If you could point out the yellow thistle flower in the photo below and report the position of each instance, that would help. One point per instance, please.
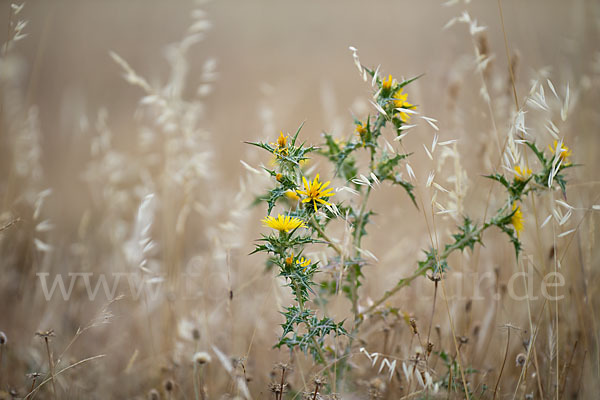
(315, 192)
(290, 194)
(361, 130)
(279, 177)
(280, 145)
(517, 219)
(283, 222)
(302, 262)
(289, 260)
(386, 83)
(399, 100)
(564, 151)
(281, 140)
(522, 174)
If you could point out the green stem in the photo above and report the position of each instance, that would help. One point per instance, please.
(354, 286)
(310, 328)
(361, 215)
(324, 236)
(421, 271)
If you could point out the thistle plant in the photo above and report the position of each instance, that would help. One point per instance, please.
(291, 233)
(309, 207)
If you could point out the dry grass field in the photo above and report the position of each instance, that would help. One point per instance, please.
(454, 257)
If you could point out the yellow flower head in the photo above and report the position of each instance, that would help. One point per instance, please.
(302, 262)
(517, 219)
(361, 131)
(281, 145)
(361, 128)
(283, 222)
(399, 100)
(290, 194)
(289, 260)
(386, 83)
(315, 192)
(522, 174)
(564, 151)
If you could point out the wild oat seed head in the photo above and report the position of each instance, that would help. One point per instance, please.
(564, 151)
(168, 385)
(3, 338)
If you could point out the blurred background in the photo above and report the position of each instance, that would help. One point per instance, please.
(73, 124)
(280, 53)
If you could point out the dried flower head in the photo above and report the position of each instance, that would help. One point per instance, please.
(413, 326)
(283, 366)
(201, 358)
(45, 334)
(277, 388)
(34, 375)
(153, 394)
(319, 380)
